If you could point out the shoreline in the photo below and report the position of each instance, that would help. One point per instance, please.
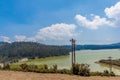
(107, 65)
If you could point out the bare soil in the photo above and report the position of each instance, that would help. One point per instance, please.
(15, 75)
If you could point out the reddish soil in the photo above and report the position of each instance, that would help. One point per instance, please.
(15, 75)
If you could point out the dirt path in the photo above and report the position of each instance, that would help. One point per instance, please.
(11, 75)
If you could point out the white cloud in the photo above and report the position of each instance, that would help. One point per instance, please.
(112, 20)
(20, 38)
(114, 12)
(93, 24)
(6, 39)
(56, 32)
(31, 39)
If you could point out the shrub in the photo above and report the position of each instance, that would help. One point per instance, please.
(55, 68)
(0, 67)
(80, 69)
(43, 69)
(24, 67)
(107, 73)
(84, 70)
(6, 67)
(16, 69)
(32, 68)
(64, 71)
(95, 73)
(112, 74)
(75, 69)
(29, 68)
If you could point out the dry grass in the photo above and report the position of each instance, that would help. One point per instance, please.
(14, 75)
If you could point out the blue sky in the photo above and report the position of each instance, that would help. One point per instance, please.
(57, 21)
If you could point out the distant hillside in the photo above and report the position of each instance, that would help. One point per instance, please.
(3, 43)
(18, 50)
(95, 47)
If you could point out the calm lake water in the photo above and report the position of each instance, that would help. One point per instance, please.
(85, 56)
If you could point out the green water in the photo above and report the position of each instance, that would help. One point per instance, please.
(91, 56)
(83, 56)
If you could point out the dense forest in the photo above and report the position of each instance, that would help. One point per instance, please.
(18, 50)
(95, 47)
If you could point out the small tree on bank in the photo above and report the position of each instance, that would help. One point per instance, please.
(80, 69)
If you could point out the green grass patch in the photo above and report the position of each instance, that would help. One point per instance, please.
(39, 61)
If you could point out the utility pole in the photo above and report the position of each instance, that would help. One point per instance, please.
(73, 51)
(110, 59)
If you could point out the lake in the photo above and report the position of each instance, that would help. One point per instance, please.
(83, 56)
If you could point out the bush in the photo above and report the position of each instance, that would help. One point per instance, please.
(6, 67)
(16, 69)
(32, 68)
(29, 68)
(43, 69)
(0, 68)
(64, 71)
(107, 73)
(55, 68)
(80, 69)
(95, 73)
(24, 67)
(84, 70)
(112, 74)
(75, 69)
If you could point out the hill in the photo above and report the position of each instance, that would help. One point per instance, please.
(3, 43)
(17, 50)
(96, 47)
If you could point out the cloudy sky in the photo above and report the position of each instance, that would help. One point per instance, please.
(57, 21)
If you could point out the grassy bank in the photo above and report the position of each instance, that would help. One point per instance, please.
(108, 65)
(38, 62)
(76, 69)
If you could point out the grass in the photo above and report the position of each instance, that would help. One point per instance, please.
(39, 61)
(48, 58)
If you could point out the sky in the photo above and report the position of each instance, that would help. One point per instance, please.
(55, 22)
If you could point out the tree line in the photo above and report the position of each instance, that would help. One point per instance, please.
(95, 47)
(17, 50)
